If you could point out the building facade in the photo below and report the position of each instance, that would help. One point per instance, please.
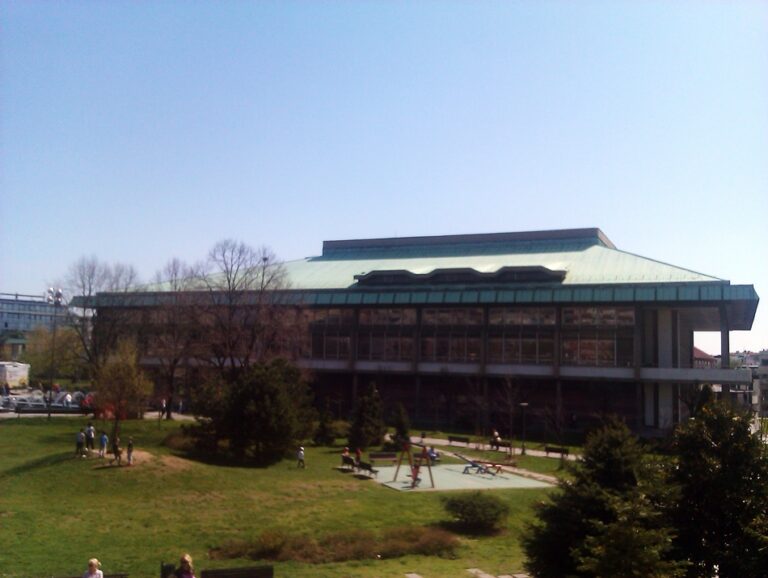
(20, 314)
(461, 329)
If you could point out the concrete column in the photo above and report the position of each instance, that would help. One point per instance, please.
(725, 349)
(665, 337)
(725, 339)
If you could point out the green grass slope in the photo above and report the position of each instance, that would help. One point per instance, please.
(57, 511)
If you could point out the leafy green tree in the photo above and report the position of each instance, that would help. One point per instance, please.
(40, 355)
(721, 518)
(615, 486)
(367, 427)
(122, 388)
(261, 414)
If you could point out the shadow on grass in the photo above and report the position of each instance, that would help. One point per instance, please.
(40, 463)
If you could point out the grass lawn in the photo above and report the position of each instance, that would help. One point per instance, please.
(57, 511)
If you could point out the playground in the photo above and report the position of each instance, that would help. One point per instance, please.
(453, 477)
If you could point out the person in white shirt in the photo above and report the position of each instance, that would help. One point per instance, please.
(93, 569)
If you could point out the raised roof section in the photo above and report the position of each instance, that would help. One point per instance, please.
(464, 245)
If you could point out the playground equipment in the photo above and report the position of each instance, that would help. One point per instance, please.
(415, 463)
(477, 467)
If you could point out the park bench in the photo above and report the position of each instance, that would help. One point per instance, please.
(166, 571)
(458, 439)
(251, 572)
(118, 575)
(562, 450)
(348, 462)
(366, 467)
(382, 457)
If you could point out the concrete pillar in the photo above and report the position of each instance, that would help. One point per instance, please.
(725, 349)
(664, 342)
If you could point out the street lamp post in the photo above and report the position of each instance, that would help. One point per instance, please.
(55, 298)
(523, 405)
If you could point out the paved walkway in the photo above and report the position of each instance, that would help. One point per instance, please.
(486, 447)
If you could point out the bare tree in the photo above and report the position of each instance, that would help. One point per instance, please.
(86, 278)
(169, 331)
(244, 316)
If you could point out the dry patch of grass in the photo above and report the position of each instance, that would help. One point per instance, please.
(343, 546)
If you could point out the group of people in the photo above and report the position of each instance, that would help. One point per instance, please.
(184, 570)
(85, 441)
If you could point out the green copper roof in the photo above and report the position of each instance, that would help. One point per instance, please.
(566, 266)
(590, 260)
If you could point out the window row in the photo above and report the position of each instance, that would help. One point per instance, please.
(473, 316)
(600, 349)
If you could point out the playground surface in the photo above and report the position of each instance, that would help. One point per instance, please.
(452, 477)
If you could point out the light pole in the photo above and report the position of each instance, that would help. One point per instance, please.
(55, 298)
(523, 405)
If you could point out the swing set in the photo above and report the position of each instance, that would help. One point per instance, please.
(415, 463)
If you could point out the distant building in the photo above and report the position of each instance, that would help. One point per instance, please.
(20, 314)
(703, 359)
(446, 325)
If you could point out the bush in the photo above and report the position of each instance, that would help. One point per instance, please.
(478, 512)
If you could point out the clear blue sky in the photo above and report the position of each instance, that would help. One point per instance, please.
(142, 131)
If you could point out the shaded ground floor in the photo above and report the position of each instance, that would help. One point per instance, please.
(478, 405)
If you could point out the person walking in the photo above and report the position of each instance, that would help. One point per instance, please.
(80, 443)
(117, 453)
(90, 436)
(300, 458)
(103, 441)
(130, 451)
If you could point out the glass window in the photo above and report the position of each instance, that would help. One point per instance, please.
(569, 316)
(496, 350)
(587, 351)
(318, 351)
(458, 348)
(546, 348)
(587, 316)
(624, 350)
(570, 349)
(528, 348)
(364, 346)
(406, 348)
(606, 352)
(428, 348)
(606, 316)
(529, 317)
(473, 349)
(377, 346)
(429, 317)
(392, 349)
(496, 316)
(512, 348)
(443, 349)
(474, 316)
(625, 316)
(547, 316)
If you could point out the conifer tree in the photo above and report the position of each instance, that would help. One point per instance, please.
(402, 426)
(721, 469)
(367, 427)
(599, 520)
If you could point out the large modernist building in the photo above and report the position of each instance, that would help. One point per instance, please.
(459, 328)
